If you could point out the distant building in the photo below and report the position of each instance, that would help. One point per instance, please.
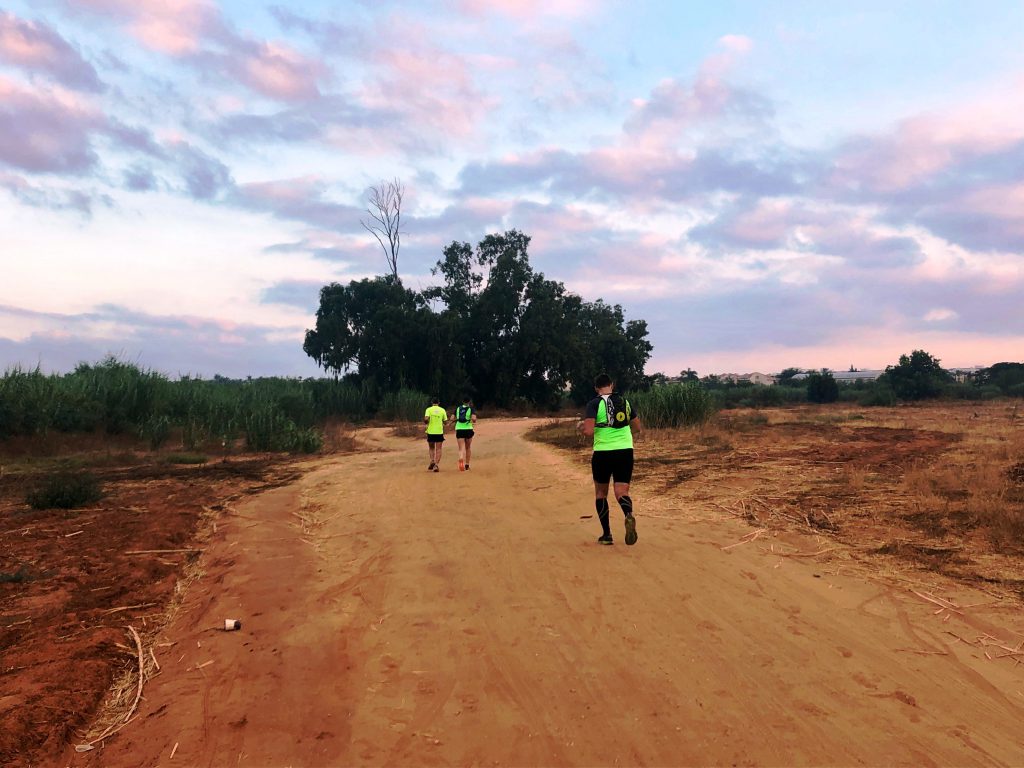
(846, 377)
(962, 375)
(748, 378)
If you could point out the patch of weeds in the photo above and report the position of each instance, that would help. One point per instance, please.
(19, 576)
(186, 458)
(65, 489)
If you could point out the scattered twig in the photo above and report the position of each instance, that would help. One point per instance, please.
(138, 692)
(175, 749)
(128, 607)
(69, 535)
(746, 539)
(160, 551)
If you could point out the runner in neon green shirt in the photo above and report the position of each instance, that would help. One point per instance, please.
(434, 417)
(610, 419)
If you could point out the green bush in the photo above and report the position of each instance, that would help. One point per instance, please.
(880, 395)
(822, 387)
(66, 489)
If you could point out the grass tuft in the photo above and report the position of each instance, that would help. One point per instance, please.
(65, 489)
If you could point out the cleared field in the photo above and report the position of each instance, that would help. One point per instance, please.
(811, 587)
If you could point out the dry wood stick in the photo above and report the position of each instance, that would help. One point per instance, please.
(138, 692)
(160, 551)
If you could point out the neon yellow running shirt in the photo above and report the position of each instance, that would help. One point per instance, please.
(437, 416)
(468, 423)
(608, 438)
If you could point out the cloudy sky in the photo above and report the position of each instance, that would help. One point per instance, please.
(767, 184)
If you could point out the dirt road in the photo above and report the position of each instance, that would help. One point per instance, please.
(396, 617)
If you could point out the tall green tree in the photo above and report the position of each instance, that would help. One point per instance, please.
(917, 376)
(494, 329)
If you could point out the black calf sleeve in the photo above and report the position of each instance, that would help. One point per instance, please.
(627, 505)
(602, 514)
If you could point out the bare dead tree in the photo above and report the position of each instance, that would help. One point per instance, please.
(385, 209)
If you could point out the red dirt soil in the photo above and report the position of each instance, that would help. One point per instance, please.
(71, 588)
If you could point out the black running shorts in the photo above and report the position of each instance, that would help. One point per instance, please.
(463, 434)
(608, 464)
(435, 438)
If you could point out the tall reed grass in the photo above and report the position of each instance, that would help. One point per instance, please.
(674, 405)
(117, 397)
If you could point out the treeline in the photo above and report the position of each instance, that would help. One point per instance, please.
(494, 330)
(115, 397)
(917, 376)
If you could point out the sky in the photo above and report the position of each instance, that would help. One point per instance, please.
(767, 184)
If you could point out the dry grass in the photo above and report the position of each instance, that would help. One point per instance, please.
(938, 487)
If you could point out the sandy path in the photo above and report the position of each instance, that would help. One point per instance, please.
(470, 619)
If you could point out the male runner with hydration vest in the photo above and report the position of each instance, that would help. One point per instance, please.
(610, 419)
(464, 418)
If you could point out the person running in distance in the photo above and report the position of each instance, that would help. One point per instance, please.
(434, 417)
(464, 418)
(610, 419)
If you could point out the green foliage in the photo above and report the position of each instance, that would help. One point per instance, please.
(674, 405)
(754, 395)
(880, 395)
(495, 329)
(822, 387)
(403, 405)
(917, 376)
(120, 397)
(65, 489)
(785, 377)
(268, 428)
(1007, 377)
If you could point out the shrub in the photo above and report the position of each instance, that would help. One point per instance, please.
(880, 395)
(66, 489)
(822, 387)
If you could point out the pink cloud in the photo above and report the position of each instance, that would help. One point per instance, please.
(277, 71)
(46, 131)
(429, 86)
(921, 147)
(174, 27)
(38, 47)
(676, 107)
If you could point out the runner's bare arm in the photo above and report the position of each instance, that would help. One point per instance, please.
(586, 427)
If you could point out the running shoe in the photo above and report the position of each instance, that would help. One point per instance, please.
(431, 467)
(606, 539)
(630, 530)
(437, 468)
(462, 466)
(467, 467)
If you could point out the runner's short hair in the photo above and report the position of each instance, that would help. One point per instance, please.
(435, 400)
(603, 380)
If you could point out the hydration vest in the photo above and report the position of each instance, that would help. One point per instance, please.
(617, 411)
(463, 415)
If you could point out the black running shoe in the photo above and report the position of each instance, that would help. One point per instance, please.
(437, 468)
(431, 467)
(606, 539)
(630, 530)
(467, 467)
